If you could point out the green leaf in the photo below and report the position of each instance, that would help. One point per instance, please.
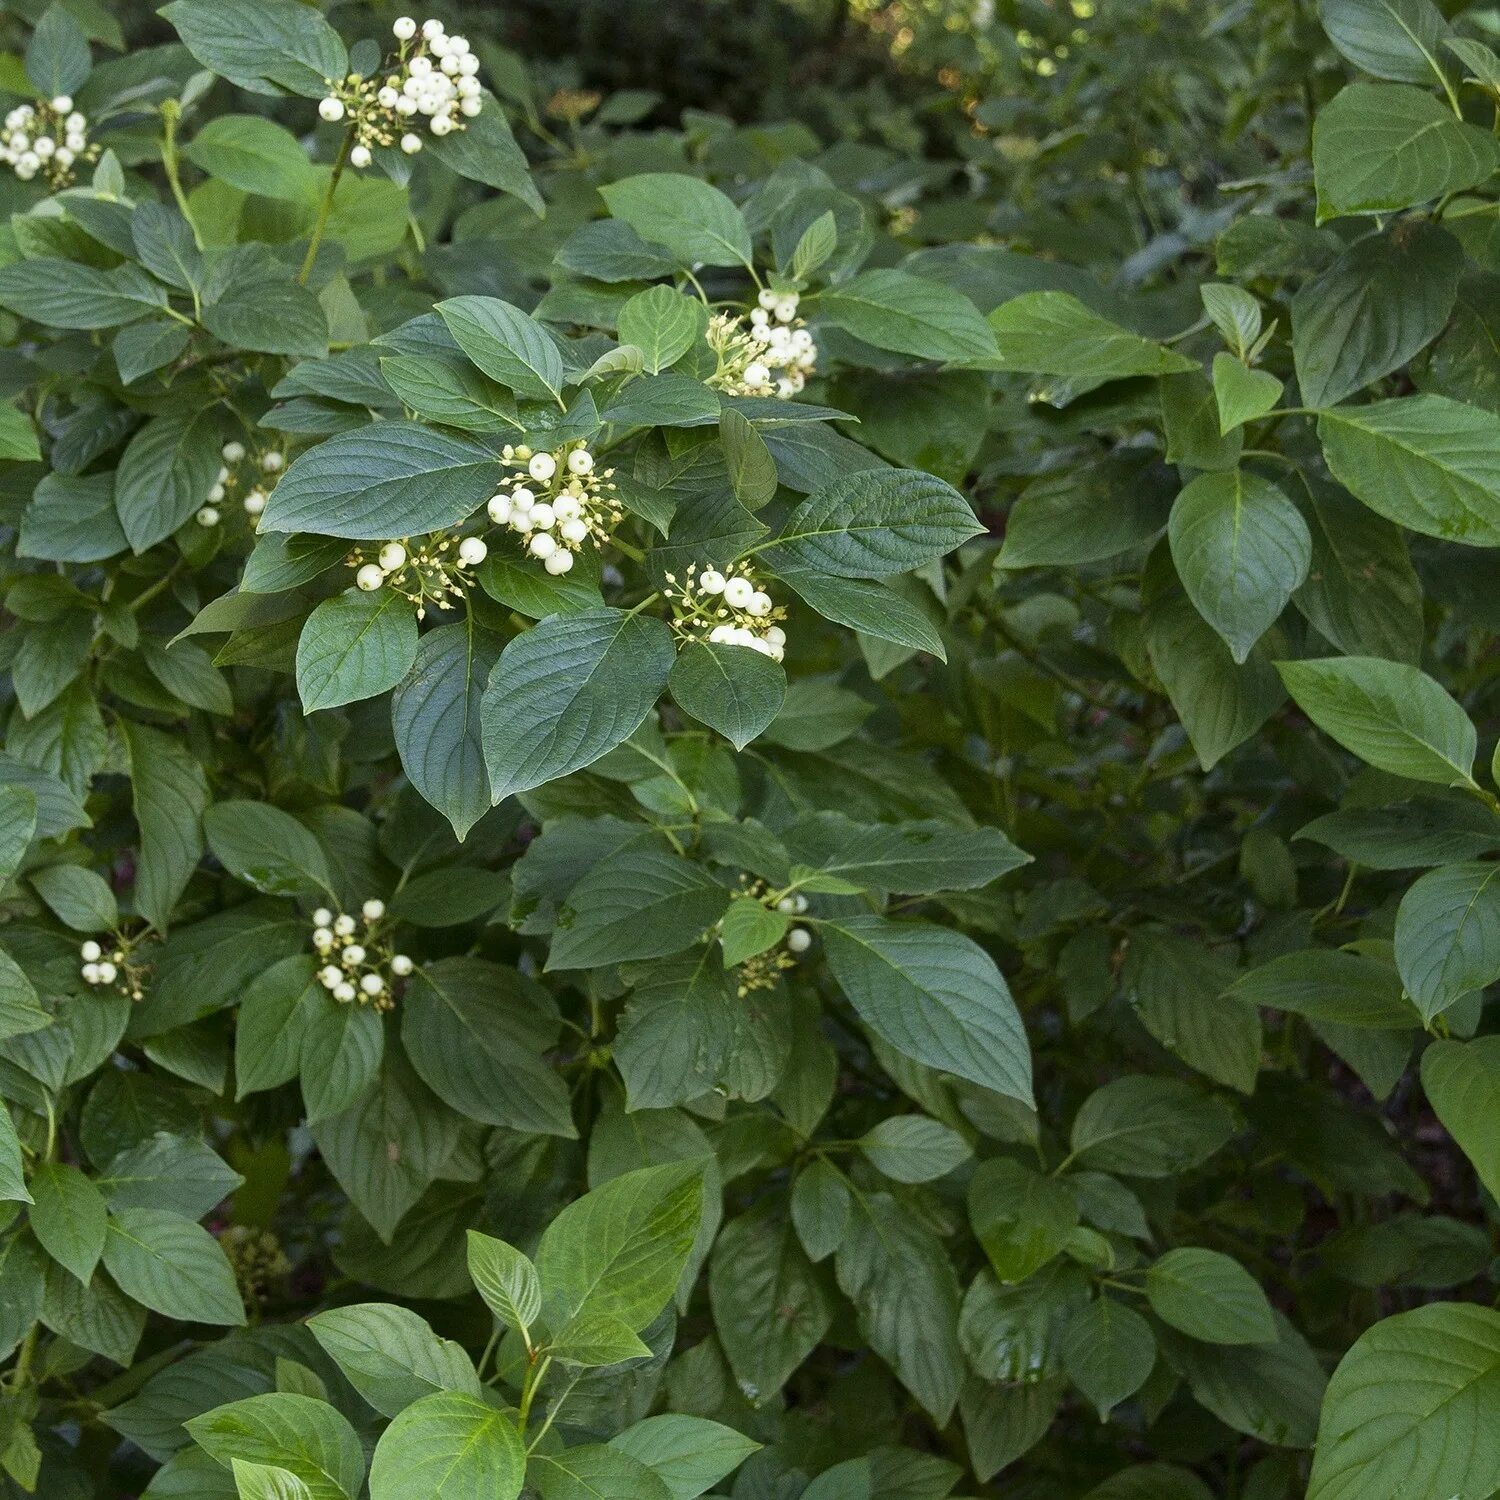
(1425, 462)
(12, 1172)
(1242, 394)
(267, 848)
(1395, 39)
(356, 645)
(266, 1482)
(164, 476)
(568, 690)
(690, 1454)
(1383, 300)
(900, 1278)
(57, 56)
(733, 689)
(908, 314)
(307, 1437)
(506, 344)
(1109, 1350)
(18, 438)
(696, 222)
(1327, 984)
(169, 1172)
(435, 718)
(391, 1356)
(875, 523)
(1448, 935)
(20, 1011)
(751, 465)
(1149, 1127)
(912, 1148)
(255, 155)
(1462, 1082)
(663, 324)
(67, 295)
(644, 901)
(1241, 548)
(78, 897)
(770, 1305)
(921, 855)
(172, 1266)
(506, 1280)
(283, 46)
(1053, 333)
(475, 1033)
(68, 1217)
(935, 996)
(342, 1045)
(388, 480)
(1378, 147)
(593, 1472)
(1210, 1297)
(485, 151)
(17, 827)
(1389, 714)
(1020, 1217)
(619, 1251)
(1414, 1409)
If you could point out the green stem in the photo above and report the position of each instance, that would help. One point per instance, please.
(325, 208)
(171, 112)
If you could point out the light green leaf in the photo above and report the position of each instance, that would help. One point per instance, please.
(253, 154)
(908, 314)
(391, 1356)
(1448, 935)
(696, 222)
(1241, 549)
(1413, 1410)
(1425, 462)
(68, 1217)
(1209, 1297)
(1387, 713)
(1378, 147)
(506, 1280)
(267, 848)
(1053, 333)
(690, 1454)
(307, 1437)
(663, 324)
(172, 1266)
(356, 645)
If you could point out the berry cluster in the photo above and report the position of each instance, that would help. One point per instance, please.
(267, 466)
(112, 968)
(257, 1260)
(49, 137)
(732, 611)
(762, 970)
(431, 571)
(559, 502)
(361, 965)
(772, 355)
(433, 76)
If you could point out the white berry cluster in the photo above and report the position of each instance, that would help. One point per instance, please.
(433, 76)
(360, 965)
(771, 355)
(728, 611)
(112, 969)
(558, 502)
(762, 970)
(264, 468)
(430, 570)
(47, 137)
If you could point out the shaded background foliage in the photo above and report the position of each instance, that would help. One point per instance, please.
(1262, 1056)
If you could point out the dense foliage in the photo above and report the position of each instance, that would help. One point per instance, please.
(788, 800)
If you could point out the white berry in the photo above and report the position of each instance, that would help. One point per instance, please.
(405, 28)
(472, 551)
(559, 562)
(91, 951)
(369, 578)
(401, 965)
(331, 109)
(373, 909)
(542, 466)
(392, 555)
(799, 940)
(738, 592)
